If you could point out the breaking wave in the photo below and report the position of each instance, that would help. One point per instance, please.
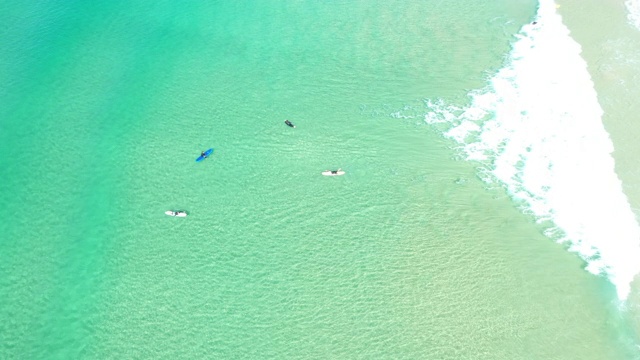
(537, 128)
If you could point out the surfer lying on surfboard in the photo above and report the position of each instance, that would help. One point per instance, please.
(289, 123)
(333, 172)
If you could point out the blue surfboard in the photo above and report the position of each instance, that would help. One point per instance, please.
(206, 154)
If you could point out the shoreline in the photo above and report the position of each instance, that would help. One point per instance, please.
(551, 165)
(610, 47)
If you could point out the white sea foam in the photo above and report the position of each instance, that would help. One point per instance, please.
(633, 7)
(538, 128)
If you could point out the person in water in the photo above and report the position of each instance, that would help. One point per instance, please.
(289, 123)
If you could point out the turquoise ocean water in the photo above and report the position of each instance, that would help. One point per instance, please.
(411, 254)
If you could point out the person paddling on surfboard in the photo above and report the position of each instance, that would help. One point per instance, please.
(289, 123)
(204, 155)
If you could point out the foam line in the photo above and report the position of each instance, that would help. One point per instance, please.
(633, 7)
(538, 128)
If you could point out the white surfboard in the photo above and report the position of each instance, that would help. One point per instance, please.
(333, 173)
(176, 213)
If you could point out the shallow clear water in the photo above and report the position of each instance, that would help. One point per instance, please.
(408, 255)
